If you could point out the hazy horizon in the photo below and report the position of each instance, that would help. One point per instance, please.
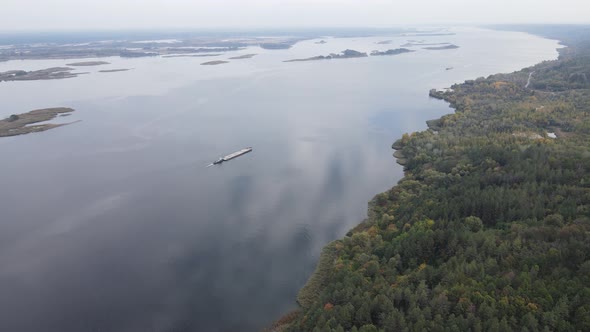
(71, 15)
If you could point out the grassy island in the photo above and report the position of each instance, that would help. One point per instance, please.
(445, 47)
(489, 230)
(346, 54)
(53, 73)
(113, 70)
(392, 52)
(245, 56)
(276, 46)
(88, 63)
(214, 63)
(20, 124)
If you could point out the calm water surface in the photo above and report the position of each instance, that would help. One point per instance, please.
(115, 224)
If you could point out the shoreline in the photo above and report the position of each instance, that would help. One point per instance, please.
(319, 279)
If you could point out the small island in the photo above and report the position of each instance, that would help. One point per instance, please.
(384, 42)
(422, 43)
(113, 70)
(346, 54)
(214, 63)
(20, 124)
(446, 47)
(245, 56)
(88, 63)
(53, 73)
(190, 55)
(276, 46)
(392, 52)
(321, 42)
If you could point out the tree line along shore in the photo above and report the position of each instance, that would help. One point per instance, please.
(490, 227)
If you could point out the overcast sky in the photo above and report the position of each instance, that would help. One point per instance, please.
(142, 14)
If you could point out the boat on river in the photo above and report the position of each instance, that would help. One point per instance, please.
(232, 156)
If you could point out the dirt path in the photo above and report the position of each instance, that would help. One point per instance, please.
(528, 82)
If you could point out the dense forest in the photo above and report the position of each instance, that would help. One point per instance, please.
(490, 228)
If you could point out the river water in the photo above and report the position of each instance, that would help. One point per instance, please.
(115, 223)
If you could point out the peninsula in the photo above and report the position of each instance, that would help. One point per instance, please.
(20, 124)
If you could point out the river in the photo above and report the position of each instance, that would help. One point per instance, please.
(115, 223)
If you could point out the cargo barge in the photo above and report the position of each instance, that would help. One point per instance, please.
(232, 156)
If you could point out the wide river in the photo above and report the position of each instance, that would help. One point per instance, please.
(115, 223)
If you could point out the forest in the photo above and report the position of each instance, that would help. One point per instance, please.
(489, 230)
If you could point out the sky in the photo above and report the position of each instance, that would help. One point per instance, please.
(156, 14)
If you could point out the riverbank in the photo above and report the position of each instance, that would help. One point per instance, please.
(472, 206)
